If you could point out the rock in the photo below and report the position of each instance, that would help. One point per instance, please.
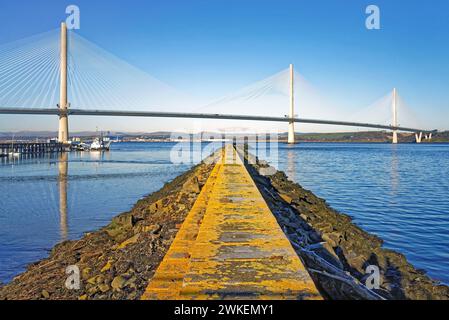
(314, 237)
(96, 280)
(124, 221)
(153, 229)
(181, 207)
(100, 279)
(155, 206)
(104, 287)
(286, 198)
(118, 283)
(90, 256)
(332, 256)
(192, 185)
(113, 233)
(120, 225)
(45, 294)
(268, 171)
(92, 280)
(85, 273)
(332, 238)
(107, 266)
(324, 227)
(92, 290)
(131, 282)
(129, 241)
(357, 262)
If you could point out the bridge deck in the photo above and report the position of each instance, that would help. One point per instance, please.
(231, 246)
(158, 114)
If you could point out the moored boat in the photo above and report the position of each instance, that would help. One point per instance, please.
(100, 144)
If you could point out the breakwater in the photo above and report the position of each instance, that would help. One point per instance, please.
(118, 261)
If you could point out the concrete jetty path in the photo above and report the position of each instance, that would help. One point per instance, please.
(230, 246)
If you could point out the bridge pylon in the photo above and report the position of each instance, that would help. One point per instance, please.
(63, 132)
(418, 137)
(291, 124)
(395, 118)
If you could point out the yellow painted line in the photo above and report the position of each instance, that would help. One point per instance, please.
(239, 250)
(168, 279)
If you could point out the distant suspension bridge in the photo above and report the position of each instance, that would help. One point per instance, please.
(64, 111)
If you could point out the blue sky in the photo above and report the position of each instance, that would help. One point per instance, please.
(211, 47)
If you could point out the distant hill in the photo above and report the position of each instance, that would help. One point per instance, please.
(366, 136)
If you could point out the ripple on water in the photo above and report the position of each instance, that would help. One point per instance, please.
(397, 192)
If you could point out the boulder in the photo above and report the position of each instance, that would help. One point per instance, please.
(286, 198)
(104, 287)
(192, 185)
(129, 241)
(118, 282)
(107, 266)
(153, 229)
(45, 294)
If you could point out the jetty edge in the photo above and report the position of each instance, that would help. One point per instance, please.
(119, 260)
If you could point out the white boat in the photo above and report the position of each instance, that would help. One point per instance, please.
(100, 144)
(14, 154)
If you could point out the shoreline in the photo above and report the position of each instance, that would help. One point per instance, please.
(283, 141)
(118, 260)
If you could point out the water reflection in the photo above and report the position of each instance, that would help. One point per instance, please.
(291, 164)
(62, 181)
(99, 155)
(394, 174)
(43, 201)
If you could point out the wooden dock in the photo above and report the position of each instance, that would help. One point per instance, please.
(231, 246)
(31, 148)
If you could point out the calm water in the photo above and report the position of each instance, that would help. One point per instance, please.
(46, 200)
(398, 192)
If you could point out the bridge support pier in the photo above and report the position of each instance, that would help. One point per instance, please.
(291, 124)
(291, 133)
(418, 137)
(63, 132)
(395, 118)
(395, 137)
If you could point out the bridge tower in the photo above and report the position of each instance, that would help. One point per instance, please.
(63, 134)
(395, 118)
(291, 124)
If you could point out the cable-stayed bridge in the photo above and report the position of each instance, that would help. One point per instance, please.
(60, 73)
